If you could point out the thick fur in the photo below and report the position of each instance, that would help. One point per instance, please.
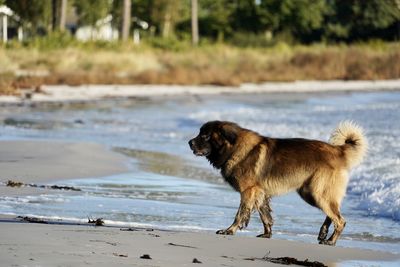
(260, 167)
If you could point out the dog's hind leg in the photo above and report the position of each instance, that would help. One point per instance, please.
(332, 211)
(248, 199)
(328, 193)
(323, 232)
(265, 214)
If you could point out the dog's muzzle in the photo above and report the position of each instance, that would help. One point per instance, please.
(195, 150)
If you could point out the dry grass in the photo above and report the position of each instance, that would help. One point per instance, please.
(216, 64)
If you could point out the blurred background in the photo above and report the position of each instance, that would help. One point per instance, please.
(202, 42)
(224, 42)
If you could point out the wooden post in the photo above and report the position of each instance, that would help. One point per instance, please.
(126, 20)
(5, 37)
(63, 14)
(195, 23)
(20, 34)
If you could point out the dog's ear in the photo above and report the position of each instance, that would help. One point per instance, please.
(230, 132)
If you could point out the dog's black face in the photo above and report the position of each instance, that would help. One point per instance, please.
(214, 138)
(201, 145)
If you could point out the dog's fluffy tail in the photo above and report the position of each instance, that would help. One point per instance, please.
(350, 137)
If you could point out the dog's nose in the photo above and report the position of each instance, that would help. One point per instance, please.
(191, 143)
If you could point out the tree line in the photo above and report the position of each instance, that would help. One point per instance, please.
(237, 21)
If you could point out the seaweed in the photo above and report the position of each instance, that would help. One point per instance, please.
(120, 255)
(130, 229)
(289, 261)
(196, 261)
(11, 183)
(146, 256)
(32, 219)
(96, 222)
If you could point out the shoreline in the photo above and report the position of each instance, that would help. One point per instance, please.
(36, 161)
(60, 93)
(63, 245)
(66, 244)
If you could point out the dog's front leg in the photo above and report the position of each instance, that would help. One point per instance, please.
(265, 214)
(242, 218)
(241, 221)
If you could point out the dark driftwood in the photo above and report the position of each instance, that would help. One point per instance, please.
(120, 255)
(32, 220)
(178, 245)
(146, 256)
(196, 261)
(96, 222)
(130, 229)
(14, 184)
(11, 183)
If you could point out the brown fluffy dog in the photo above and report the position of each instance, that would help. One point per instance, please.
(260, 167)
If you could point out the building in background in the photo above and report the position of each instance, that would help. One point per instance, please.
(9, 24)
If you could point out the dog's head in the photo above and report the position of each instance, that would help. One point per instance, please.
(216, 138)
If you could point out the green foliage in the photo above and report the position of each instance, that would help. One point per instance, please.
(54, 40)
(355, 20)
(242, 39)
(246, 17)
(116, 12)
(33, 13)
(170, 44)
(90, 11)
(214, 18)
(240, 22)
(299, 17)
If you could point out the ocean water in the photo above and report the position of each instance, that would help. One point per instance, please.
(168, 187)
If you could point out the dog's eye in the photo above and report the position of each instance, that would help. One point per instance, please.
(205, 137)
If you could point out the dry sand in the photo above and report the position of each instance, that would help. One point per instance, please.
(33, 244)
(25, 244)
(50, 93)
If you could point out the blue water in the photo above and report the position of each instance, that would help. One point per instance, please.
(170, 188)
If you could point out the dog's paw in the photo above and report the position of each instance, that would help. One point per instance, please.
(327, 242)
(322, 236)
(323, 233)
(268, 235)
(225, 232)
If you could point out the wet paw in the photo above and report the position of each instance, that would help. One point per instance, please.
(327, 242)
(322, 236)
(323, 233)
(224, 232)
(268, 235)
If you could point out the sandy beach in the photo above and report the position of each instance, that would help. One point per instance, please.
(56, 93)
(63, 244)
(69, 245)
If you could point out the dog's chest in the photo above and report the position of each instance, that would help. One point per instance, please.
(232, 181)
(238, 178)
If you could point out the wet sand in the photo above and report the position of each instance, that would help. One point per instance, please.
(46, 162)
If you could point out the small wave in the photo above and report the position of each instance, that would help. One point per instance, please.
(114, 223)
(41, 199)
(378, 194)
(365, 236)
(168, 164)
